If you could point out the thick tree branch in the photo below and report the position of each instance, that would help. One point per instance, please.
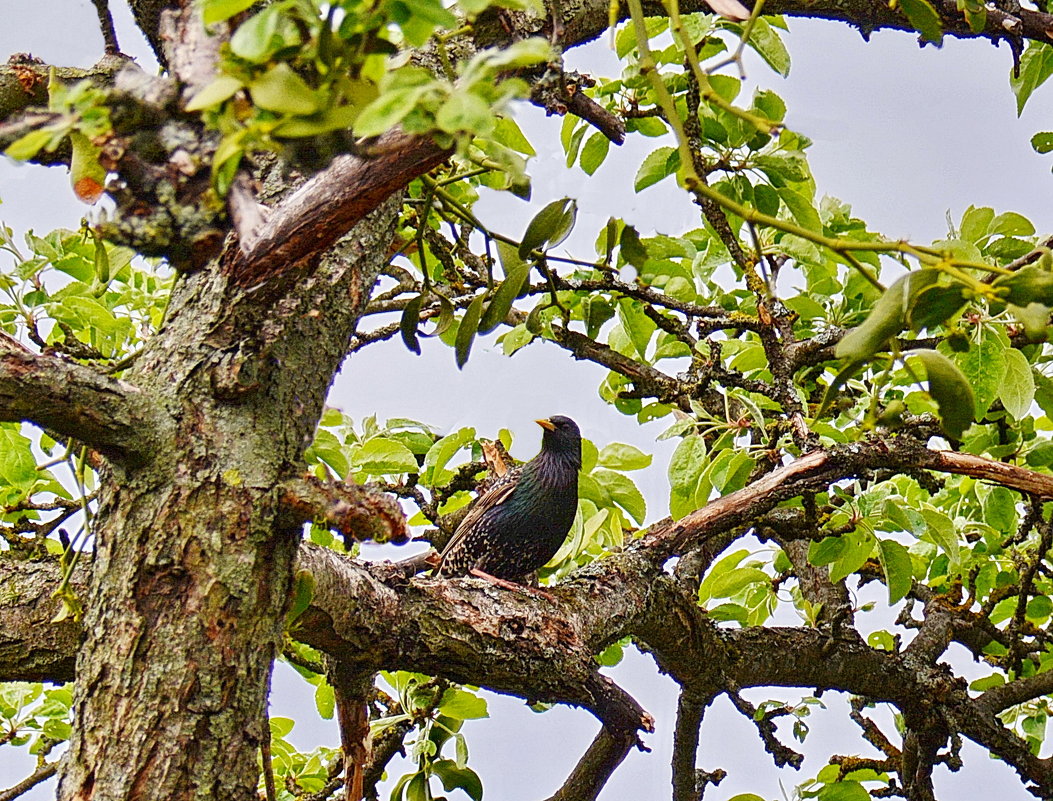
(544, 651)
(595, 767)
(357, 512)
(109, 415)
(32, 647)
(445, 628)
(583, 22)
(1016, 692)
(1008, 475)
(513, 644)
(310, 220)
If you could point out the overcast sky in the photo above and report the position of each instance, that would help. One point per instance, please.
(905, 134)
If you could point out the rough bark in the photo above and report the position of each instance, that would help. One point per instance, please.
(113, 416)
(194, 555)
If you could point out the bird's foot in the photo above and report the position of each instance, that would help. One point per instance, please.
(510, 585)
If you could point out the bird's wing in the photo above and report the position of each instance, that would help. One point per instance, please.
(491, 499)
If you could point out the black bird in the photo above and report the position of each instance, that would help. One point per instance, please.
(520, 522)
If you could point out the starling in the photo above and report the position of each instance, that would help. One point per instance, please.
(520, 522)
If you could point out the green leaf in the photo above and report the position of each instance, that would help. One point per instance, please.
(976, 223)
(987, 682)
(523, 53)
(1041, 455)
(949, 388)
(549, 226)
(283, 91)
(87, 311)
(468, 329)
(281, 726)
(638, 326)
(516, 273)
(1039, 607)
(325, 700)
(934, 305)
(465, 111)
(785, 168)
(612, 654)
(461, 750)
(328, 449)
(1008, 247)
(730, 470)
(999, 509)
(445, 316)
(801, 208)
(431, 11)
(417, 788)
(87, 176)
(332, 119)
(453, 777)
(1036, 65)
(886, 319)
(18, 467)
(924, 19)
(28, 145)
(388, 110)
(440, 453)
(632, 248)
(594, 152)
(408, 324)
(214, 93)
(984, 366)
(895, 562)
(1017, 390)
(730, 583)
(844, 791)
(623, 492)
(58, 730)
(1030, 284)
(1012, 224)
(769, 46)
(303, 593)
(647, 126)
(213, 11)
(383, 456)
(941, 529)
(508, 132)
(686, 466)
(1042, 142)
(253, 39)
(619, 456)
(859, 545)
(573, 139)
(659, 164)
(462, 705)
(722, 567)
(826, 551)
(769, 104)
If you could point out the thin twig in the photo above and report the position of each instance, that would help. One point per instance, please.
(109, 33)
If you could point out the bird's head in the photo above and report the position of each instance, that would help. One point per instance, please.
(561, 438)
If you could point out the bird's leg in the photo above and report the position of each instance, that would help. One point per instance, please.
(510, 585)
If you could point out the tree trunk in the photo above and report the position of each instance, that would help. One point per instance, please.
(193, 557)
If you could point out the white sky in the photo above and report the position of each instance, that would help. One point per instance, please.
(902, 133)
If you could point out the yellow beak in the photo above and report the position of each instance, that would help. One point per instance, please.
(546, 424)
